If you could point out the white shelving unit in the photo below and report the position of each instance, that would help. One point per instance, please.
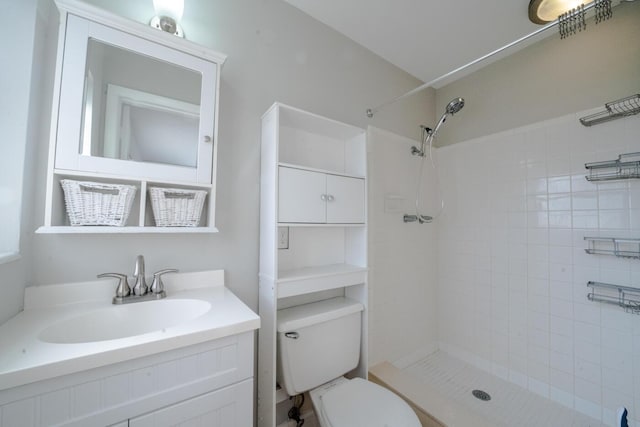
(313, 181)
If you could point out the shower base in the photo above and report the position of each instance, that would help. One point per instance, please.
(440, 387)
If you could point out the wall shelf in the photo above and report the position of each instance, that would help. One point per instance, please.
(622, 248)
(626, 166)
(88, 229)
(326, 171)
(314, 279)
(624, 296)
(622, 107)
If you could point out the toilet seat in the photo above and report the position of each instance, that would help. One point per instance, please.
(360, 403)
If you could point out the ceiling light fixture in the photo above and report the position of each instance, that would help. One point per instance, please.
(545, 11)
(570, 15)
(168, 16)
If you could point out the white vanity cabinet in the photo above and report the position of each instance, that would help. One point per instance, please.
(132, 105)
(211, 383)
(197, 370)
(314, 197)
(313, 230)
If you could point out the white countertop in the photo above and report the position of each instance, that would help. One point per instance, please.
(25, 358)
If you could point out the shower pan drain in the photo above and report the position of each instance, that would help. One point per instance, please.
(482, 395)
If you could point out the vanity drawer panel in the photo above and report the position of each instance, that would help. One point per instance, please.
(221, 408)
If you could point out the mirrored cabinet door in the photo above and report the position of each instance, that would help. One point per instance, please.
(135, 108)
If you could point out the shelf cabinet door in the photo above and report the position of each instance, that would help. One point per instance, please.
(345, 200)
(301, 196)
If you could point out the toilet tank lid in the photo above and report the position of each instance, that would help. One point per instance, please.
(305, 315)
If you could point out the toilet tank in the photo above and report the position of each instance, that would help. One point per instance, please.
(317, 343)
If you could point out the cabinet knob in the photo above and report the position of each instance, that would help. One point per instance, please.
(207, 138)
(330, 198)
(323, 197)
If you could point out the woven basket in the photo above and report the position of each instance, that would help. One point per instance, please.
(95, 203)
(176, 207)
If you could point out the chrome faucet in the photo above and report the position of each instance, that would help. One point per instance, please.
(140, 286)
(140, 291)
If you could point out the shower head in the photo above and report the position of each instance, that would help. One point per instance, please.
(455, 106)
(452, 108)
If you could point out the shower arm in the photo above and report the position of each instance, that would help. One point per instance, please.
(372, 111)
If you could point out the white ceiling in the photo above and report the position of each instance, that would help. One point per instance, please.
(427, 38)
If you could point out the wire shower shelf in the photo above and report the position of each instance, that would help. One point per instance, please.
(624, 296)
(622, 248)
(626, 166)
(622, 107)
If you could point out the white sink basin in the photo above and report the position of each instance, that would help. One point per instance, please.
(122, 321)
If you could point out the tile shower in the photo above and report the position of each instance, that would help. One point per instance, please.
(512, 270)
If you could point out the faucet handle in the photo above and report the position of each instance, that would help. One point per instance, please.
(123, 289)
(157, 286)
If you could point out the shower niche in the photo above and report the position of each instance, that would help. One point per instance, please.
(313, 184)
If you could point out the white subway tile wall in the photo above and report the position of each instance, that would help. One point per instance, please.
(512, 270)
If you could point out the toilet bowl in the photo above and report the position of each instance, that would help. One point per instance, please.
(360, 403)
(318, 343)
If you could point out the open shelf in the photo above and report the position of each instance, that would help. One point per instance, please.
(622, 248)
(619, 108)
(313, 279)
(327, 171)
(624, 296)
(140, 220)
(626, 166)
(97, 229)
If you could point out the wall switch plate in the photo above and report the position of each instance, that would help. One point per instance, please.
(283, 237)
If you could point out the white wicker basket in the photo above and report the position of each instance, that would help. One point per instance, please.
(176, 207)
(96, 203)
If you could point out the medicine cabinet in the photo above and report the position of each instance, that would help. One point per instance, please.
(131, 105)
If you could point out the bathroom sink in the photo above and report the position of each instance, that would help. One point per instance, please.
(123, 321)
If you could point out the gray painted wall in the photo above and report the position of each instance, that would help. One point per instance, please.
(23, 106)
(549, 79)
(276, 53)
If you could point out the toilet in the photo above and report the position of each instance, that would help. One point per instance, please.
(317, 344)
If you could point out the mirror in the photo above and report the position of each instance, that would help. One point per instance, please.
(139, 108)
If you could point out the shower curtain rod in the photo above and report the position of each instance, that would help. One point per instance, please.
(372, 111)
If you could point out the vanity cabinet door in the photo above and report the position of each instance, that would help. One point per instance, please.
(132, 107)
(302, 196)
(345, 200)
(228, 407)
